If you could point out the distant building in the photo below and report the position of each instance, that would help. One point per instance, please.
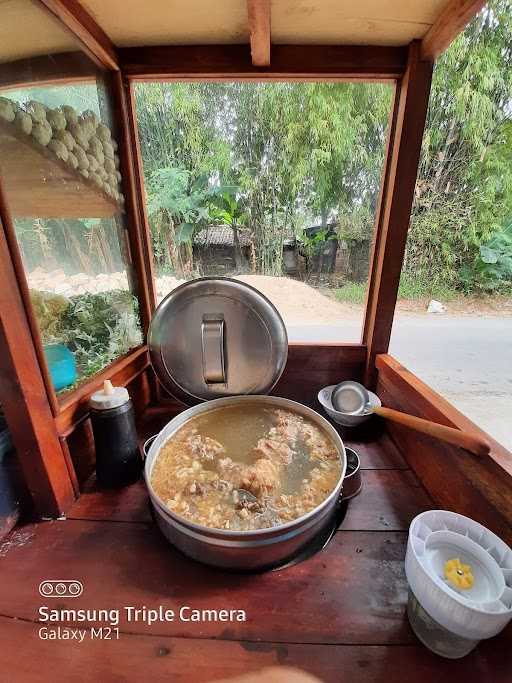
(214, 250)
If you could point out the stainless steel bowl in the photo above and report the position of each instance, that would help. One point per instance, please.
(242, 550)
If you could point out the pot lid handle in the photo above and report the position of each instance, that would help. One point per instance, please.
(212, 342)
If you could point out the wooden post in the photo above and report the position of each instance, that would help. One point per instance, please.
(395, 204)
(139, 238)
(140, 241)
(258, 14)
(23, 286)
(25, 402)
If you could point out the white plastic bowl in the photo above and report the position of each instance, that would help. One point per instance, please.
(449, 621)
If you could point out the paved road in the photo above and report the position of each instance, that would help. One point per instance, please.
(467, 360)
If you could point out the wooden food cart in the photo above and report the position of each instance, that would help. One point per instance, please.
(340, 614)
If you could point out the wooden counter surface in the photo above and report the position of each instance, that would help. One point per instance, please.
(339, 615)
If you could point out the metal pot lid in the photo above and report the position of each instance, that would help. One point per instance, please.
(214, 337)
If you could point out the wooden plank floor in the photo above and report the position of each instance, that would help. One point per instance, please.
(339, 615)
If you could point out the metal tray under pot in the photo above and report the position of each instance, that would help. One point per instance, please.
(209, 339)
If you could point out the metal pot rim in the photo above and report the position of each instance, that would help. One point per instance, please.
(179, 420)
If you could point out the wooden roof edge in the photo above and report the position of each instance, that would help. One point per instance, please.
(258, 14)
(453, 20)
(287, 61)
(74, 18)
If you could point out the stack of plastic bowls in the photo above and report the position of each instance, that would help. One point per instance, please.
(460, 581)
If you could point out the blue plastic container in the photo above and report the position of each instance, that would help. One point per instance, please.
(61, 364)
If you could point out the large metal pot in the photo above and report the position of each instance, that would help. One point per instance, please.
(242, 550)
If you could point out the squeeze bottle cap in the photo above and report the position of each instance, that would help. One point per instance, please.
(109, 397)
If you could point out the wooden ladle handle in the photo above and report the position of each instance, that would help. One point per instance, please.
(470, 442)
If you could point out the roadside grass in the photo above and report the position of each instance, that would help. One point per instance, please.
(351, 293)
(410, 288)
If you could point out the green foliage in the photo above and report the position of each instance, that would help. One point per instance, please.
(413, 289)
(314, 244)
(178, 205)
(410, 289)
(352, 293)
(226, 209)
(492, 268)
(97, 328)
(293, 152)
(49, 310)
(464, 187)
(301, 154)
(172, 190)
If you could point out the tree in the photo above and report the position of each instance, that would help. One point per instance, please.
(464, 188)
(304, 153)
(177, 207)
(227, 210)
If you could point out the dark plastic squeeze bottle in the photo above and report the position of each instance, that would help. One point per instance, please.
(118, 457)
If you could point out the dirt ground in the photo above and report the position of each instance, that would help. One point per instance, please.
(298, 302)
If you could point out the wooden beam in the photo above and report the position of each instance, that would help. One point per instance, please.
(395, 204)
(24, 399)
(452, 21)
(73, 17)
(258, 12)
(24, 290)
(63, 68)
(312, 366)
(293, 62)
(74, 406)
(133, 187)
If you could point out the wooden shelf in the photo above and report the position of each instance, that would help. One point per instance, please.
(38, 185)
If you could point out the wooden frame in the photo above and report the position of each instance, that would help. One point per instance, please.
(410, 68)
(63, 69)
(72, 16)
(394, 208)
(475, 486)
(449, 24)
(25, 401)
(137, 226)
(39, 435)
(22, 285)
(74, 408)
(289, 62)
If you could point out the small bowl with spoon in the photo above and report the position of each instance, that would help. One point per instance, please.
(351, 400)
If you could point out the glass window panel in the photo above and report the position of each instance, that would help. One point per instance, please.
(59, 169)
(272, 183)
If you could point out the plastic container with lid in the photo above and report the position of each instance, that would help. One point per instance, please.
(118, 456)
(460, 580)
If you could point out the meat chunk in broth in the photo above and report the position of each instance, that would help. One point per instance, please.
(262, 478)
(282, 459)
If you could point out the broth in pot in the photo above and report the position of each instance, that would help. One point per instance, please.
(245, 467)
